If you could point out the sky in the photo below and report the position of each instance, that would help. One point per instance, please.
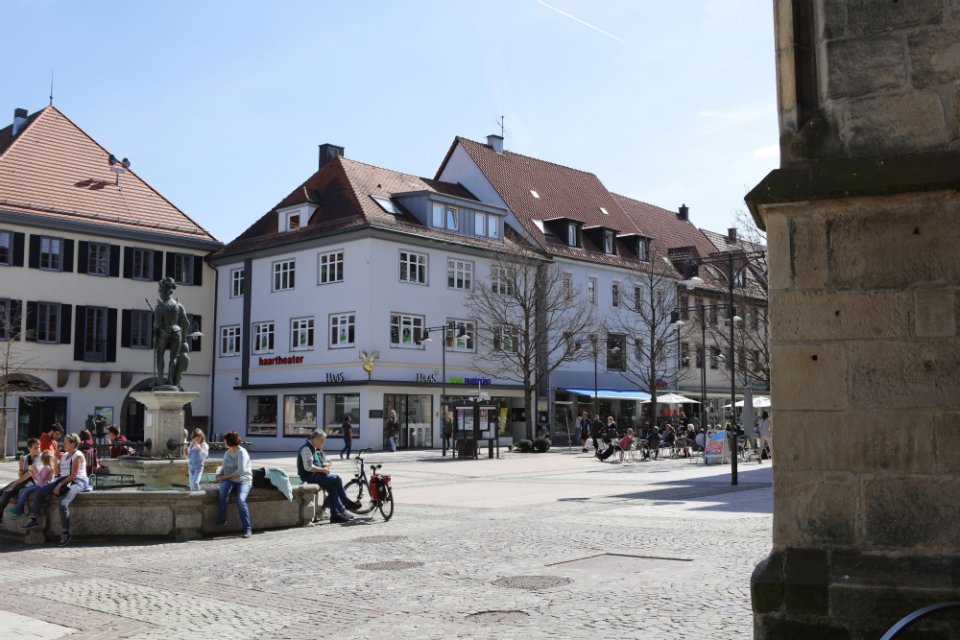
(220, 105)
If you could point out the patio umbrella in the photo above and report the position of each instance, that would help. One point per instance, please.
(759, 402)
(672, 398)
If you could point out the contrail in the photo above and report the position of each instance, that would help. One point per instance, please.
(583, 22)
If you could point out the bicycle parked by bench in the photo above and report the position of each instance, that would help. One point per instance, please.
(372, 493)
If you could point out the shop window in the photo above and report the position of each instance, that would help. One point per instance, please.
(299, 415)
(336, 406)
(261, 415)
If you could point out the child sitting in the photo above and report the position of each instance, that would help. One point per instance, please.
(24, 478)
(42, 474)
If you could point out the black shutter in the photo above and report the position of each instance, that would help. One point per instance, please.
(196, 325)
(31, 331)
(17, 249)
(157, 265)
(16, 316)
(34, 259)
(170, 259)
(114, 261)
(125, 320)
(83, 255)
(81, 331)
(65, 319)
(128, 262)
(68, 256)
(198, 270)
(111, 335)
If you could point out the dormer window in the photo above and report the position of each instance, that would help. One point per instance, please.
(290, 221)
(609, 242)
(573, 234)
(643, 249)
(452, 217)
(445, 217)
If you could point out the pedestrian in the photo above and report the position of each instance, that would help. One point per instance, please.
(583, 428)
(766, 435)
(347, 429)
(89, 451)
(393, 428)
(596, 432)
(447, 432)
(116, 440)
(235, 475)
(312, 467)
(197, 454)
(71, 481)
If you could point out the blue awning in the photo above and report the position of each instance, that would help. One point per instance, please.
(610, 394)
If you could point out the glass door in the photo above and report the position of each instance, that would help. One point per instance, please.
(414, 414)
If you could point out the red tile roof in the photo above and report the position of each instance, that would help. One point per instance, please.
(52, 168)
(342, 191)
(564, 192)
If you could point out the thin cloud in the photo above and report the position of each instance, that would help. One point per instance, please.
(772, 151)
(583, 22)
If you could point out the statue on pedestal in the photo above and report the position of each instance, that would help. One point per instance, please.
(170, 327)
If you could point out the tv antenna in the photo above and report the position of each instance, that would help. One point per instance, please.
(119, 166)
(500, 122)
(51, 86)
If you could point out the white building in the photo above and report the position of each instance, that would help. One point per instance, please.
(320, 304)
(83, 242)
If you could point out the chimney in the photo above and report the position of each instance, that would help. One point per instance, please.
(495, 142)
(19, 121)
(684, 213)
(328, 152)
(732, 235)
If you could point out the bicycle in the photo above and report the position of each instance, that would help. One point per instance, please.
(373, 493)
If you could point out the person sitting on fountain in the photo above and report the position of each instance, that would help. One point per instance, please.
(48, 441)
(235, 474)
(170, 328)
(116, 439)
(312, 467)
(25, 478)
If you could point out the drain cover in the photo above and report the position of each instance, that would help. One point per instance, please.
(495, 617)
(531, 583)
(390, 565)
(380, 539)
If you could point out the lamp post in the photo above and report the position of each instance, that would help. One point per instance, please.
(596, 389)
(735, 262)
(425, 337)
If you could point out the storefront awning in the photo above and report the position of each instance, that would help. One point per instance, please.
(610, 394)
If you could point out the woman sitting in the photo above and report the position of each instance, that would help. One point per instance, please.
(235, 475)
(71, 481)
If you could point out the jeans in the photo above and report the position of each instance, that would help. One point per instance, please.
(392, 444)
(7, 496)
(194, 472)
(348, 447)
(227, 486)
(67, 494)
(25, 493)
(333, 485)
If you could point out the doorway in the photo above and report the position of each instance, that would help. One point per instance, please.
(414, 413)
(37, 414)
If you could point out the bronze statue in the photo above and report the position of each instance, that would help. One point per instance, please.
(170, 327)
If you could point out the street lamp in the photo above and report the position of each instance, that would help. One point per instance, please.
(425, 337)
(735, 262)
(596, 391)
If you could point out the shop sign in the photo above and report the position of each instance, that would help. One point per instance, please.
(336, 377)
(427, 378)
(470, 381)
(376, 413)
(279, 360)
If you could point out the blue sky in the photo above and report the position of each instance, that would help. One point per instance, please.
(220, 105)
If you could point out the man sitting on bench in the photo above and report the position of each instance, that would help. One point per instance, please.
(312, 467)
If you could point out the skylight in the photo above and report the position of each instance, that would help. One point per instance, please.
(534, 194)
(604, 211)
(539, 225)
(387, 205)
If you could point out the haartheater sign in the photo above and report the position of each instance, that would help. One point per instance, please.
(280, 360)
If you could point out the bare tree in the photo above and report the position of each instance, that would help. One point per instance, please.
(649, 322)
(528, 319)
(12, 365)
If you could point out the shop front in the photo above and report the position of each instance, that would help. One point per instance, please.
(414, 423)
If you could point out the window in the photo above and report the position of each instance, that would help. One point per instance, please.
(643, 249)
(98, 259)
(48, 322)
(756, 368)
(609, 242)
(459, 274)
(755, 319)
(292, 221)
(452, 218)
(566, 285)
(479, 224)
(457, 342)
(336, 407)
(299, 414)
(182, 268)
(591, 291)
(284, 275)
(438, 215)
(684, 308)
(230, 341)
(331, 267)
(263, 337)
(236, 283)
(616, 352)
(9, 319)
(493, 227)
(740, 278)
(342, 327)
(728, 357)
(95, 334)
(141, 329)
(573, 234)
(387, 205)
(301, 334)
(615, 293)
(6, 248)
(413, 267)
(685, 355)
(500, 282)
(51, 254)
(637, 298)
(141, 267)
(505, 338)
(405, 330)
(700, 355)
(714, 357)
(534, 194)
(712, 315)
(261, 414)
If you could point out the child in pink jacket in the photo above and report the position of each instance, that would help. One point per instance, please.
(42, 472)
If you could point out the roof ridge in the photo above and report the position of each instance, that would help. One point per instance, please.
(36, 115)
(402, 173)
(555, 164)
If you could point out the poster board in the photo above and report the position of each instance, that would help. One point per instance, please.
(717, 450)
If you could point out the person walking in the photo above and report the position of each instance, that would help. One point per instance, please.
(393, 428)
(583, 427)
(347, 429)
(236, 475)
(596, 432)
(766, 435)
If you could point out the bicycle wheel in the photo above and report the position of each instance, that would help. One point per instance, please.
(359, 491)
(386, 506)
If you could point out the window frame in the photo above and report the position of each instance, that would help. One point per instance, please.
(98, 259)
(327, 262)
(260, 331)
(342, 319)
(406, 320)
(141, 329)
(301, 328)
(615, 294)
(499, 284)
(95, 321)
(283, 279)
(6, 248)
(230, 332)
(592, 291)
(506, 338)
(237, 281)
(58, 322)
(183, 262)
(616, 360)
(49, 240)
(460, 270)
(419, 265)
(466, 343)
(146, 263)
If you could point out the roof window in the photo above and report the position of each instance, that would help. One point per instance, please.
(387, 205)
(604, 211)
(534, 194)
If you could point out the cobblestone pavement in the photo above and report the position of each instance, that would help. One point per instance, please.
(554, 545)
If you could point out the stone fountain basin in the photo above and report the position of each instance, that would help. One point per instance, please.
(175, 514)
